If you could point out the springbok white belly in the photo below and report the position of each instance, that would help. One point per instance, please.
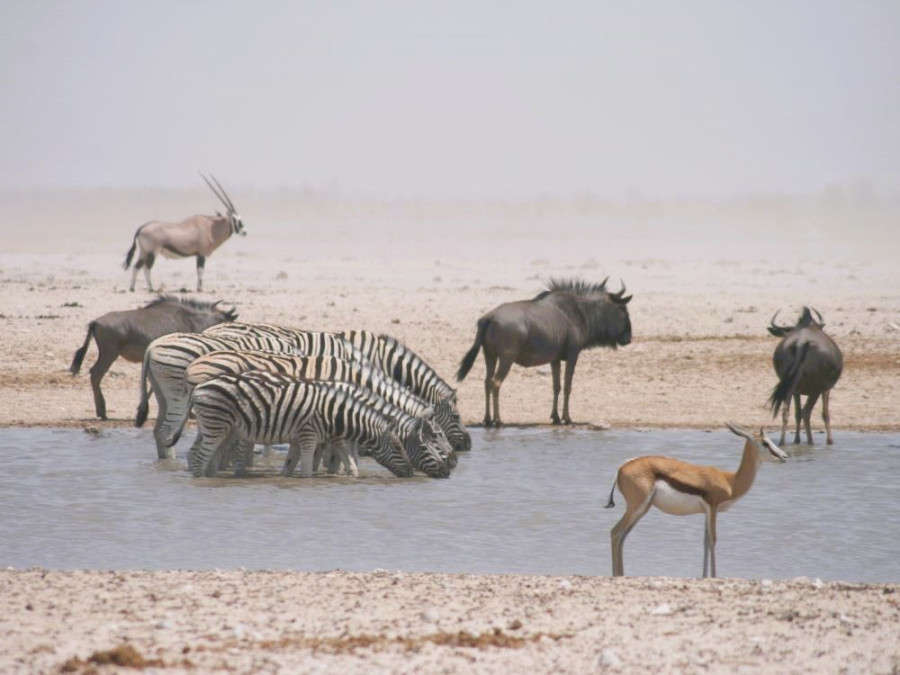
(671, 501)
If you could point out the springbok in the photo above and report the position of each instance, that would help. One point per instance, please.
(680, 489)
(195, 236)
(128, 333)
(807, 363)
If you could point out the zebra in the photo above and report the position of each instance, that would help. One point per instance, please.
(331, 368)
(396, 360)
(168, 357)
(261, 407)
(412, 371)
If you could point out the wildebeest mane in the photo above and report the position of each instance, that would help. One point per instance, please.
(575, 286)
(199, 305)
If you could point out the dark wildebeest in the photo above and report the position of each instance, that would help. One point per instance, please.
(127, 334)
(552, 327)
(195, 236)
(807, 363)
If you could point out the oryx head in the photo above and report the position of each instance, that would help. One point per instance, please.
(237, 225)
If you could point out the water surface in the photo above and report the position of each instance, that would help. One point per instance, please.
(523, 501)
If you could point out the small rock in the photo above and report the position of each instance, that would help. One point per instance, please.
(661, 610)
(599, 426)
(609, 659)
(565, 585)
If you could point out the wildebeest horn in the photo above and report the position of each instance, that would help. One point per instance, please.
(603, 284)
(821, 320)
(775, 329)
(617, 297)
(221, 195)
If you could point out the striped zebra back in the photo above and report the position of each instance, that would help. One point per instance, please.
(266, 408)
(312, 343)
(328, 368)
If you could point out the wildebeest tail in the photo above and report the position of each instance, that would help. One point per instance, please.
(144, 405)
(466, 364)
(79, 354)
(787, 385)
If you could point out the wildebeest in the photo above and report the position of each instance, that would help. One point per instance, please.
(808, 363)
(127, 333)
(552, 327)
(195, 236)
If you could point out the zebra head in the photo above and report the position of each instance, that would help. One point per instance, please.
(428, 449)
(447, 417)
(389, 451)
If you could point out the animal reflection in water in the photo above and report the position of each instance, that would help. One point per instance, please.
(554, 326)
(681, 489)
(808, 363)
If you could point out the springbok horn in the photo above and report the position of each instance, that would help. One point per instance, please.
(737, 430)
(215, 192)
(230, 204)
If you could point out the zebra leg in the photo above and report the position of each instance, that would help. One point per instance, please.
(554, 369)
(201, 263)
(303, 450)
(242, 451)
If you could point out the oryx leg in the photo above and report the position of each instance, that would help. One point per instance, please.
(201, 263)
(633, 513)
(105, 359)
(554, 370)
(490, 365)
(496, 382)
(567, 389)
(826, 416)
(811, 401)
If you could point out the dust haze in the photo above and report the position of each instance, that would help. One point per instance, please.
(685, 132)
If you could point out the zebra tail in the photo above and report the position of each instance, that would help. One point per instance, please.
(144, 405)
(611, 503)
(788, 384)
(79, 354)
(182, 422)
(466, 364)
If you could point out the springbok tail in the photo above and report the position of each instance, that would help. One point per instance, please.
(787, 385)
(466, 364)
(611, 503)
(79, 354)
(144, 405)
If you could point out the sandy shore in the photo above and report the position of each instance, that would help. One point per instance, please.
(394, 622)
(700, 355)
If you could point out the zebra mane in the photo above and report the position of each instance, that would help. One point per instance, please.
(200, 305)
(576, 286)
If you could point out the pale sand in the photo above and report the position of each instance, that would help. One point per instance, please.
(700, 356)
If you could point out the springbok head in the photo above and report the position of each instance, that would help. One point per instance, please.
(237, 225)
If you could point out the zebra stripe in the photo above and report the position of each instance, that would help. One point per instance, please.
(260, 407)
(410, 370)
(332, 368)
(168, 357)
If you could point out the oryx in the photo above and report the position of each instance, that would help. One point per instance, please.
(195, 236)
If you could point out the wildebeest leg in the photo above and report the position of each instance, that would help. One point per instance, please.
(807, 414)
(490, 364)
(798, 415)
(554, 369)
(785, 413)
(496, 381)
(567, 388)
(826, 416)
(98, 370)
(201, 263)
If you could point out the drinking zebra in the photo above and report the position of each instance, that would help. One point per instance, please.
(168, 357)
(331, 368)
(394, 358)
(261, 407)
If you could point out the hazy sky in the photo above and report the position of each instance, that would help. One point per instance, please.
(454, 98)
